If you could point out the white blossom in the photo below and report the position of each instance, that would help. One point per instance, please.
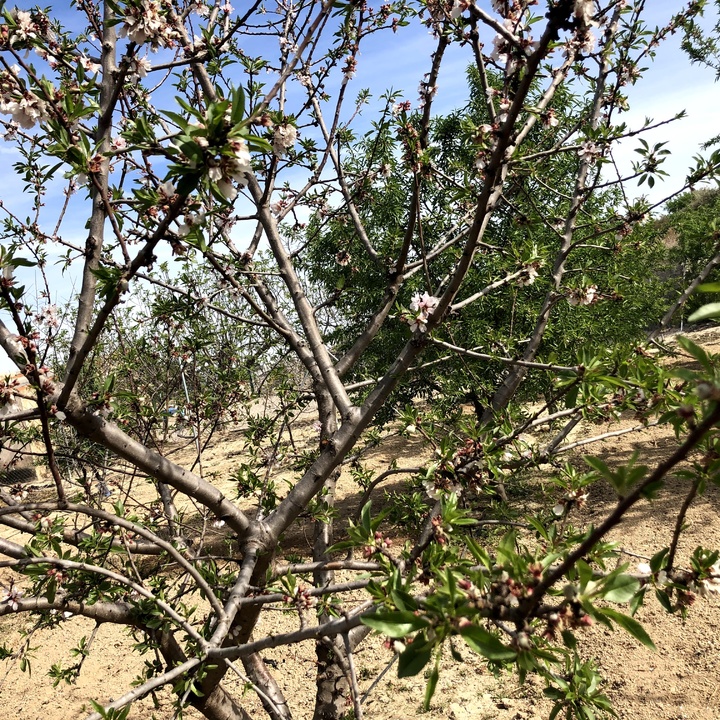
(25, 28)
(191, 220)
(237, 167)
(87, 64)
(583, 296)
(588, 150)
(435, 493)
(145, 23)
(459, 7)
(504, 108)
(529, 275)
(166, 190)
(48, 316)
(284, 138)
(227, 189)
(26, 110)
(589, 41)
(138, 68)
(584, 11)
(711, 584)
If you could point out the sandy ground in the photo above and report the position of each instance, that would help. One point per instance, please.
(680, 681)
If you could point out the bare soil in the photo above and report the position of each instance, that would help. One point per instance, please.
(680, 681)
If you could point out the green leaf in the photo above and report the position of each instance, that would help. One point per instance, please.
(365, 517)
(599, 466)
(637, 601)
(397, 624)
(657, 560)
(585, 574)
(630, 625)
(696, 351)
(486, 644)
(179, 120)
(569, 640)
(664, 600)
(413, 660)
(706, 312)
(620, 589)
(238, 105)
(480, 554)
(403, 600)
(430, 689)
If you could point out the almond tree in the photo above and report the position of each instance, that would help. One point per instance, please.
(211, 135)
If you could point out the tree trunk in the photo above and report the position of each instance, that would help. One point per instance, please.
(216, 703)
(332, 695)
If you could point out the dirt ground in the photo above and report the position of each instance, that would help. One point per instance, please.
(680, 681)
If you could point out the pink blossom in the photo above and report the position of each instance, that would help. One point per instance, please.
(48, 316)
(12, 595)
(422, 306)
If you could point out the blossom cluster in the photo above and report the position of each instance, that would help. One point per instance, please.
(26, 107)
(284, 138)
(426, 91)
(711, 584)
(378, 543)
(145, 22)
(48, 316)
(584, 12)
(438, 486)
(530, 273)
(589, 150)
(235, 167)
(583, 296)
(191, 220)
(10, 388)
(421, 307)
(138, 68)
(24, 28)
(501, 53)
(574, 497)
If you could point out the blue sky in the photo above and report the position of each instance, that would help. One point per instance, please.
(670, 84)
